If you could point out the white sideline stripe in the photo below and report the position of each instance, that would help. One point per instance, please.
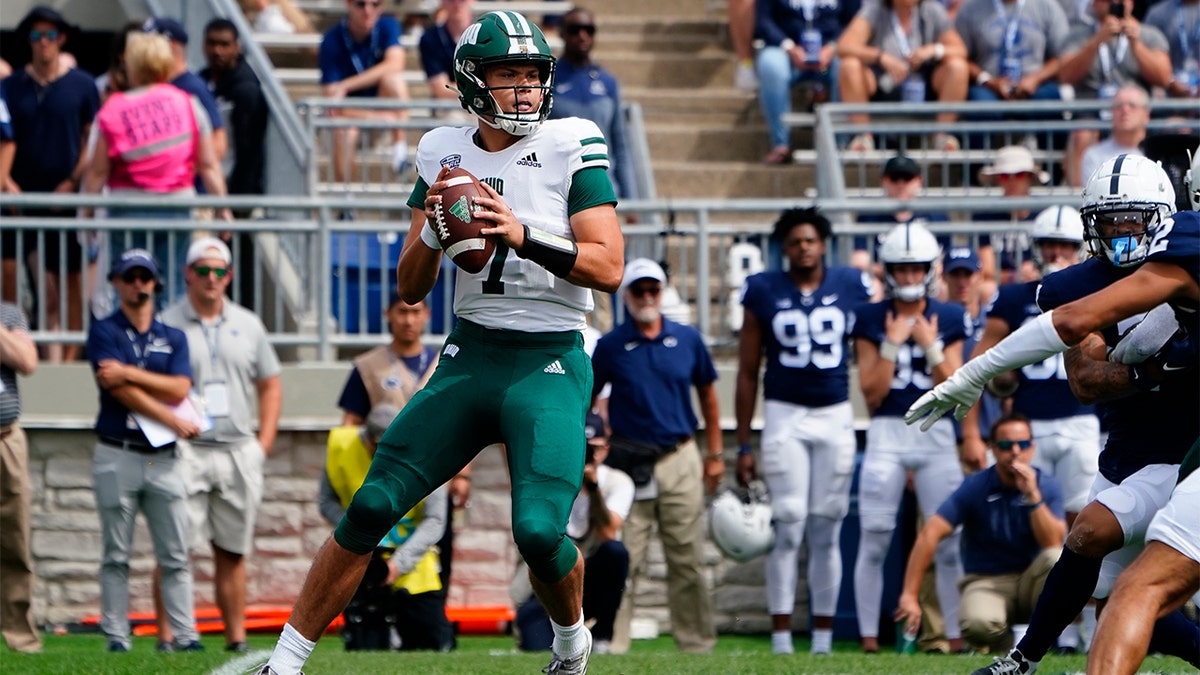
(243, 663)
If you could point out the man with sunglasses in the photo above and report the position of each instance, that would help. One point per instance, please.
(141, 366)
(437, 48)
(1011, 516)
(653, 363)
(361, 57)
(235, 371)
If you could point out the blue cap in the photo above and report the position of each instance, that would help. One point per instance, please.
(132, 259)
(593, 427)
(961, 258)
(166, 27)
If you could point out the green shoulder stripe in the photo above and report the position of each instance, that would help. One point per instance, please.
(594, 140)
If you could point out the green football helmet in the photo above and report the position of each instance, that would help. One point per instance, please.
(502, 37)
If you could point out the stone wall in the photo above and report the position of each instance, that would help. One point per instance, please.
(66, 540)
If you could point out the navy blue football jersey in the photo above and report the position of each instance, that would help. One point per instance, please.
(806, 335)
(1043, 392)
(1134, 439)
(1177, 242)
(913, 376)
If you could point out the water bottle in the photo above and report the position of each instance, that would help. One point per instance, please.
(906, 640)
(810, 39)
(913, 89)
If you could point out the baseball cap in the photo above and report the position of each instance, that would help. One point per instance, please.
(961, 258)
(593, 427)
(208, 247)
(642, 268)
(132, 259)
(166, 27)
(1014, 159)
(901, 166)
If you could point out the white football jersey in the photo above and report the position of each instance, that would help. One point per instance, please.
(534, 176)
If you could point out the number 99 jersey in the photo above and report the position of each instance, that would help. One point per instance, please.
(806, 335)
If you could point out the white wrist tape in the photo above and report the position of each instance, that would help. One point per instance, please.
(888, 350)
(934, 356)
(430, 237)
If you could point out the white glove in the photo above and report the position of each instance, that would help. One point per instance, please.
(1148, 337)
(1031, 343)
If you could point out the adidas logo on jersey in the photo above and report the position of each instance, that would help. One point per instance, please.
(530, 160)
(554, 369)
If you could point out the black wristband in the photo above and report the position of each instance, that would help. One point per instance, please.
(1034, 506)
(557, 254)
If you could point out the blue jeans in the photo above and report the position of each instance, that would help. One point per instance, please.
(776, 75)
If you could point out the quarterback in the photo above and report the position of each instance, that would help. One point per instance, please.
(513, 370)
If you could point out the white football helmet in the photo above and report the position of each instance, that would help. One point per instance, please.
(739, 523)
(909, 243)
(1191, 181)
(1126, 189)
(1056, 223)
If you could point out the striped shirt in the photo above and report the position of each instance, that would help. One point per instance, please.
(12, 318)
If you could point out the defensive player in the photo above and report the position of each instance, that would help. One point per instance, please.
(513, 370)
(1167, 572)
(1066, 431)
(1127, 216)
(801, 320)
(905, 345)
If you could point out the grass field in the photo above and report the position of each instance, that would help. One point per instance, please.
(477, 655)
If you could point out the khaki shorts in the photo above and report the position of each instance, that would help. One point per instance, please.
(225, 488)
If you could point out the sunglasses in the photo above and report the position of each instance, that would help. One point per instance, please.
(205, 270)
(1008, 445)
(639, 291)
(363, 4)
(580, 28)
(38, 35)
(138, 274)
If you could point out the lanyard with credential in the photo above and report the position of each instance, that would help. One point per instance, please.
(140, 348)
(213, 342)
(901, 37)
(1010, 27)
(351, 46)
(1107, 62)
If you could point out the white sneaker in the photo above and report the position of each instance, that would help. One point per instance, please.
(1013, 664)
(744, 78)
(602, 647)
(576, 665)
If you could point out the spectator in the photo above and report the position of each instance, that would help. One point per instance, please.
(400, 602)
(115, 78)
(237, 90)
(799, 42)
(740, 15)
(437, 47)
(963, 280)
(905, 345)
(902, 50)
(141, 366)
(18, 356)
(595, 525)
(1011, 516)
(164, 160)
(1179, 22)
(1112, 50)
(1015, 170)
(392, 373)
(52, 108)
(808, 441)
(236, 372)
(582, 88)
(1130, 117)
(361, 57)
(8, 237)
(188, 81)
(1013, 49)
(277, 16)
(652, 363)
(236, 87)
(901, 180)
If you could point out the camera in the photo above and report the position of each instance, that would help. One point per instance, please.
(590, 456)
(1117, 9)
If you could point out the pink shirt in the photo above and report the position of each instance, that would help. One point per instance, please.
(152, 139)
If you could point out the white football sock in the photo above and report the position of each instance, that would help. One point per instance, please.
(822, 640)
(1089, 625)
(569, 641)
(292, 650)
(781, 642)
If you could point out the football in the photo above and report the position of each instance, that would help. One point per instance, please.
(456, 226)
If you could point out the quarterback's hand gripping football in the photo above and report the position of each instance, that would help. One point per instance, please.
(506, 225)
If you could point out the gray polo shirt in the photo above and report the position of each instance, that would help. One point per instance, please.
(1180, 25)
(1039, 34)
(12, 318)
(928, 24)
(232, 350)
(1122, 67)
